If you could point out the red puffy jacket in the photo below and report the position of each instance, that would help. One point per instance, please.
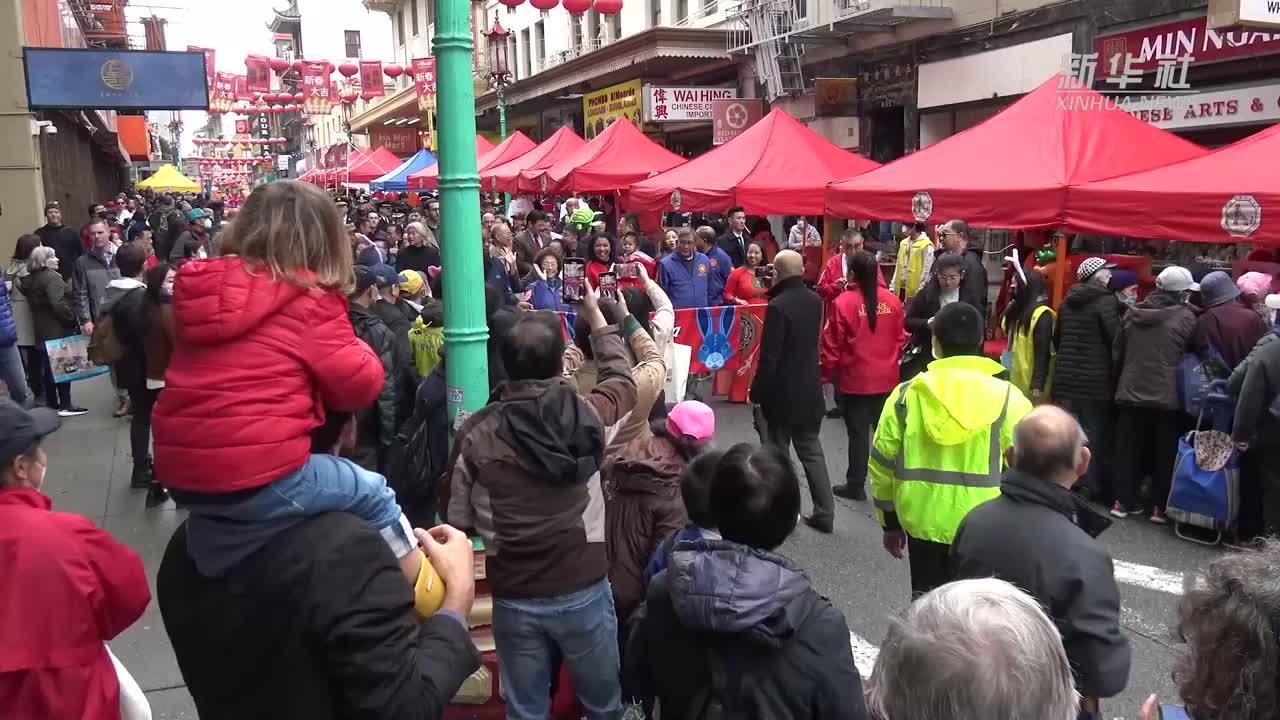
(854, 359)
(256, 363)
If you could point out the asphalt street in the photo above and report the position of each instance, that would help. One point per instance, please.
(89, 474)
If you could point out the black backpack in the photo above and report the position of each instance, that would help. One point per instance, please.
(719, 699)
(411, 472)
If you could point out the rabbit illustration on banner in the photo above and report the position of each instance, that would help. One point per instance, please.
(715, 349)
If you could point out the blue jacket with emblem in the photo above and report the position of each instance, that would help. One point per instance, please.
(687, 282)
(721, 266)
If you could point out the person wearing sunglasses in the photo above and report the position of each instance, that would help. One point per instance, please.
(945, 286)
(955, 239)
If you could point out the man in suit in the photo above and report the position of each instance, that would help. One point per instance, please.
(787, 388)
(530, 241)
(734, 242)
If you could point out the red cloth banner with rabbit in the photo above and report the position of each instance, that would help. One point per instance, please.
(721, 338)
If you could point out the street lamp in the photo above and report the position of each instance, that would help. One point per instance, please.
(499, 71)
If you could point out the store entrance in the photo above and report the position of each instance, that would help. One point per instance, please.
(888, 134)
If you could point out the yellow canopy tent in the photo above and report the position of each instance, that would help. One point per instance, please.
(168, 179)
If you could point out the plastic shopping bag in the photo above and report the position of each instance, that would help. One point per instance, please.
(69, 358)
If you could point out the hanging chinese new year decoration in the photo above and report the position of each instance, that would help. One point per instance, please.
(347, 69)
(576, 7)
(608, 7)
(392, 70)
(315, 88)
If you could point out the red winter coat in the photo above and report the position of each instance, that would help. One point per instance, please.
(256, 363)
(854, 359)
(69, 588)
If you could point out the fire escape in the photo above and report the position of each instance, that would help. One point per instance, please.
(775, 32)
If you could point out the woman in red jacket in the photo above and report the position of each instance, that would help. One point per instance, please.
(264, 349)
(601, 260)
(860, 348)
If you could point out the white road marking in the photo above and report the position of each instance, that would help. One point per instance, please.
(1152, 578)
(864, 655)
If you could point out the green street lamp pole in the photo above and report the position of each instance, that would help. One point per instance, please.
(502, 113)
(465, 331)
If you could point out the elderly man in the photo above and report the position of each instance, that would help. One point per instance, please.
(787, 387)
(973, 650)
(1039, 536)
(82, 588)
(956, 240)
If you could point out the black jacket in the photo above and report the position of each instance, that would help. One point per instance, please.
(66, 245)
(417, 257)
(52, 316)
(188, 244)
(1153, 338)
(786, 385)
(376, 424)
(317, 624)
(927, 303)
(1088, 324)
(729, 243)
(1040, 537)
(784, 649)
(1256, 420)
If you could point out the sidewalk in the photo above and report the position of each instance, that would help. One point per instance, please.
(89, 466)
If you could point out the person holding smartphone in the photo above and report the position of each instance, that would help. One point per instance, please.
(749, 284)
(602, 258)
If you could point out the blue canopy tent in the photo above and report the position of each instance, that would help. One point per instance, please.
(395, 180)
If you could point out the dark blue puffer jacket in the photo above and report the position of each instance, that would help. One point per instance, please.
(8, 328)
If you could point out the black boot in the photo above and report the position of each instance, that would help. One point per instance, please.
(142, 475)
(156, 495)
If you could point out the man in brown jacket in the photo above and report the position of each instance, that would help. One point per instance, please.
(525, 474)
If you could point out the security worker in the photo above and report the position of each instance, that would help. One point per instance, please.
(915, 260)
(939, 446)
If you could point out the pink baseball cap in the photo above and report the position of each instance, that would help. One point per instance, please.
(692, 418)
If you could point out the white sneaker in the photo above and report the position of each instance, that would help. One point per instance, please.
(72, 412)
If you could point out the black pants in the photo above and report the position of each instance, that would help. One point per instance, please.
(809, 450)
(1259, 493)
(930, 565)
(143, 401)
(1146, 442)
(56, 395)
(861, 413)
(31, 365)
(1097, 419)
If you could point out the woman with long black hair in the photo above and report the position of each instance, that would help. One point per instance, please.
(859, 357)
(1028, 323)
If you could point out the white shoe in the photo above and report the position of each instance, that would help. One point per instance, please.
(72, 412)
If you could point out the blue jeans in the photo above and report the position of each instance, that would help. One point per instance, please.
(221, 533)
(12, 375)
(582, 625)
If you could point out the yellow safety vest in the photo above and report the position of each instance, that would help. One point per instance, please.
(939, 446)
(910, 275)
(1023, 351)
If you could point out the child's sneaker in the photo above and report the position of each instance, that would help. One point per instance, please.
(1157, 517)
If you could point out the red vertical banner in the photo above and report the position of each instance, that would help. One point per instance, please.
(371, 79)
(241, 89)
(257, 74)
(316, 97)
(222, 96)
(208, 60)
(424, 80)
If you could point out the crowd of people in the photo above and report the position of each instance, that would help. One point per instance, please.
(283, 364)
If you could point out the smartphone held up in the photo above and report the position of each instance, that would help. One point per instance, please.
(574, 279)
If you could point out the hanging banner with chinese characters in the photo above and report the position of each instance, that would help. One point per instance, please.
(371, 79)
(257, 74)
(316, 97)
(222, 95)
(209, 56)
(682, 104)
(424, 81)
(241, 90)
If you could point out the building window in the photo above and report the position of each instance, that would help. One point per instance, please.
(526, 52)
(655, 13)
(615, 25)
(575, 34)
(413, 16)
(400, 27)
(709, 7)
(593, 29)
(352, 40)
(540, 43)
(682, 12)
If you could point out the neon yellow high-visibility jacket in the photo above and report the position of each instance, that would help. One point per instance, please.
(915, 260)
(939, 447)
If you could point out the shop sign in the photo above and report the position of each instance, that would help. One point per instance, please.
(835, 97)
(1240, 106)
(733, 117)
(108, 20)
(398, 140)
(1242, 216)
(885, 85)
(1142, 50)
(679, 104)
(242, 126)
(602, 107)
(1227, 13)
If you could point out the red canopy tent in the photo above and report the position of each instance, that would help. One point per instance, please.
(516, 144)
(777, 166)
(1218, 197)
(375, 164)
(307, 176)
(338, 175)
(611, 161)
(505, 177)
(1013, 170)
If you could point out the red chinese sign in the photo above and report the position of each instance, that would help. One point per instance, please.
(1144, 49)
(730, 118)
(257, 74)
(371, 79)
(241, 90)
(399, 140)
(316, 91)
(424, 79)
(222, 93)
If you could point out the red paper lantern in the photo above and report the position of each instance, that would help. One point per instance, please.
(392, 70)
(278, 64)
(577, 7)
(348, 99)
(297, 96)
(277, 108)
(348, 69)
(511, 3)
(328, 67)
(544, 4)
(296, 65)
(608, 7)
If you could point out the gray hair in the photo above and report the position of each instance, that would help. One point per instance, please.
(40, 257)
(974, 650)
(428, 237)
